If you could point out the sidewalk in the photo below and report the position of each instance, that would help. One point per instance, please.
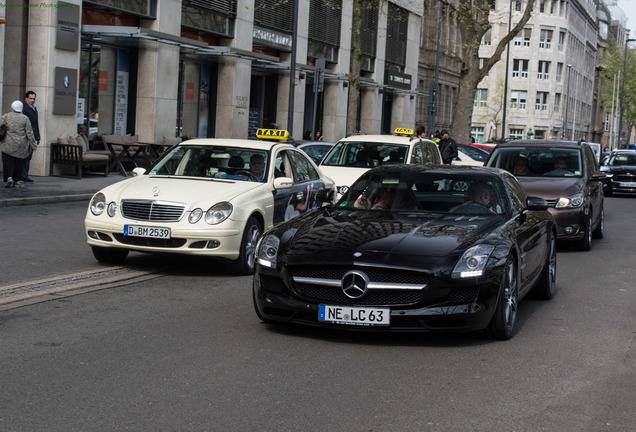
(56, 189)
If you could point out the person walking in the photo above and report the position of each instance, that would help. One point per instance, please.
(447, 147)
(30, 111)
(17, 145)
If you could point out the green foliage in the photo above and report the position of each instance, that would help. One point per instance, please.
(613, 64)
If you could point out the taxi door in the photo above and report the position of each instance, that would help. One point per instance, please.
(301, 197)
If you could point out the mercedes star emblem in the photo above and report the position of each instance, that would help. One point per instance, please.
(354, 284)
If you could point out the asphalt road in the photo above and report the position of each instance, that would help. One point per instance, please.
(185, 351)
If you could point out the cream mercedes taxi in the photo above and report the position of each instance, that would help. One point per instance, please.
(207, 197)
(354, 155)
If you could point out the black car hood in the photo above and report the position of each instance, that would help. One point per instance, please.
(622, 169)
(344, 236)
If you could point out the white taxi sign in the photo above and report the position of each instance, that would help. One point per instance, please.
(272, 134)
(403, 131)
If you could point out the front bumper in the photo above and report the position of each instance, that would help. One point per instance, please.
(570, 222)
(214, 242)
(468, 306)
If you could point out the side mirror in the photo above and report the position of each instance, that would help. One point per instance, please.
(283, 183)
(325, 195)
(138, 171)
(536, 203)
(598, 176)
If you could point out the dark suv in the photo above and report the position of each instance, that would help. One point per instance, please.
(564, 173)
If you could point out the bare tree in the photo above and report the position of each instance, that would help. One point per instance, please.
(474, 22)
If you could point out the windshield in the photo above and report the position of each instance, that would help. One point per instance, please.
(621, 159)
(213, 162)
(530, 161)
(416, 191)
(366, 154)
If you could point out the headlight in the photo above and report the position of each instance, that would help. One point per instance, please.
(572, 201)
(218, 213)
(112, 209)
(195, 215)
(98, 204)
(473, 262)
(268, 251)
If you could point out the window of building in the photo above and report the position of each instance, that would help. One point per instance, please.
(544, 70)
(523, 38)
(487, 38)
(477, 133)
(539, 134)
(541, 101)
(518, 5)
(516, 134)
(518, 99)
(561, 40)
(481, 98)
(545, 40)
(369, 37)
(542, 6)
(557, 102)
(520, 68)
(559, 72)
(396, 35)
(324, 29)
(216, 16)
(274, 15)
(606, 124)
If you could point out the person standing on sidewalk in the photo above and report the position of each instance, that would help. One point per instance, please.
(447, 147)
(17, 145)
(30, 111)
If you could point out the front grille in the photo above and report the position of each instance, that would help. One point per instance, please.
(154, 211)
(624, 178)
(334, 294)
(150, 242)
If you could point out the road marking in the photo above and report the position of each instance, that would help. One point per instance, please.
(29, 292)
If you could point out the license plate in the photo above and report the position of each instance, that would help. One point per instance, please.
(354, 315)
(146, 231)
(627, 184)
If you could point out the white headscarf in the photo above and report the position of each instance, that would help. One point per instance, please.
(17, 106)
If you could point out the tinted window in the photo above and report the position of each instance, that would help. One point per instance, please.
(365, 154)
(303, 169)
(541, 161)
(517, 193)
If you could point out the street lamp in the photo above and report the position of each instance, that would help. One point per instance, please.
(505, 98)
(567, 104)
(620, 121)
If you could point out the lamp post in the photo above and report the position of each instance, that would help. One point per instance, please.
(620, 121)
(505, 98)
(434, 87)
(567, 104)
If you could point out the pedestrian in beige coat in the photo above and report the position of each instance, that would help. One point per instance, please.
(17, 144)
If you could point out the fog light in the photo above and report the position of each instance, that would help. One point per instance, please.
(213, 244)
(93, 234)
(569, 230)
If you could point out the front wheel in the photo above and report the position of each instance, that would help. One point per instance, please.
(502, 324)
(547, 284)
(109, 255)
(598, 232)
(585, 244)
(246, 261)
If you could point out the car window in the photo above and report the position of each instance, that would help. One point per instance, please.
(540, 161)
(431, 154)
(621, 159)
(473, 152)
(304, 171)
(417, 157)
(517, 193)
(365, 154)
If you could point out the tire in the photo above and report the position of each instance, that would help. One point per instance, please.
(585, 244)
(109, 255)
(246, 262)
(502, 324)
(547, 284)
(598, 232)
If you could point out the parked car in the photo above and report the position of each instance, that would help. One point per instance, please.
(206, 197)
(620, 172)
(469, 155)
(567, 175)
(354, 155)
(316, 149)
(428, 259)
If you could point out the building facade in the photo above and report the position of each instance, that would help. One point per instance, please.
(207, 68)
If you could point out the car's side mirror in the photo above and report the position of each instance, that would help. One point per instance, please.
(598, 176)
(283, 183)
(325, 195)
(536, 203)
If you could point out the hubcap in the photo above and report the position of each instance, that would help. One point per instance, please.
(250, 247)
(510, 296)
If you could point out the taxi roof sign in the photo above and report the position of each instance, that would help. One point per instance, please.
(280, 134)
(403, 131)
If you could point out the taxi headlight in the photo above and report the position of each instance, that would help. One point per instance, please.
(473, 262)
(98, 204)
(112, 209)
(572, 201)
(218, 213)
(268, 251)
(195, 215)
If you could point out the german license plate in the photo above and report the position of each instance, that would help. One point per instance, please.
(627, 184)
(354, 315)
(146, 231)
